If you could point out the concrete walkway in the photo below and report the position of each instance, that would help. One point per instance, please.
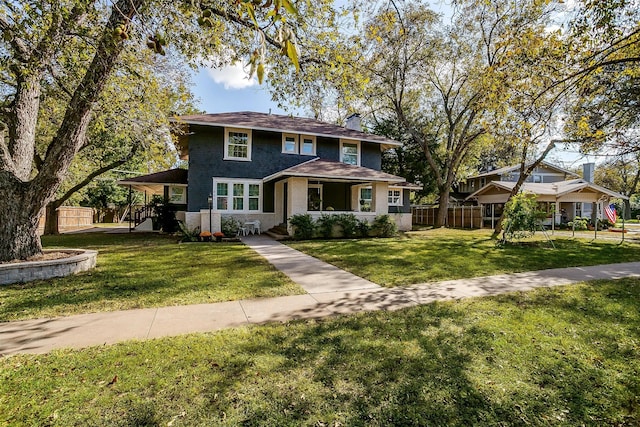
(331, 291)
(313, 275)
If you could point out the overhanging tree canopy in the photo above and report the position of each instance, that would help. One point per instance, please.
(46, 41)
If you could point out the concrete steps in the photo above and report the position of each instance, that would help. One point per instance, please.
(279, 232)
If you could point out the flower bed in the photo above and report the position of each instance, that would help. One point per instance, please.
(19, 272)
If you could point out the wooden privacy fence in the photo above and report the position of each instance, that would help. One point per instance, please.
(458, 216)
(71, 218)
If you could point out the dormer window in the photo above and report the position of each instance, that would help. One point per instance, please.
(237, 144)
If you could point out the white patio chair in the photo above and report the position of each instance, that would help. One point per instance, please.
(256, 227)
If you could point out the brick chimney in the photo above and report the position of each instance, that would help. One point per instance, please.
(354, 122)
(588, 171)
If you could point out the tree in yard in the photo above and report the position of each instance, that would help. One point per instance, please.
(150, 90)
(522, 217)
(429, 78)
(524, 61)
(622, 174)
(79, 45)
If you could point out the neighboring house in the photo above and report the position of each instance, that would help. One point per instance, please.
(267, 167)
(562, 193)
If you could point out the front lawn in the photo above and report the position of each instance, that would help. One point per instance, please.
(444, 254)
(146, 270)
(564, 356)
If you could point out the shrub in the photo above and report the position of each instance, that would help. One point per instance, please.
(349, 224)
(363, 227)
(165, 213)
(229, 226)
(325, 225)
(578, 223)
(303, 226)
(187, 235)
(522, 216)
(384, 226)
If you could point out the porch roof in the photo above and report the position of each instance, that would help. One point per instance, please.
(155, 182)
(329, 169)
(555, 189)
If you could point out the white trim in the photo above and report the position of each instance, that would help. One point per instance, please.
(183, 198)
(301, 144)
(358, 148)
(321, 188)
(228, 130)
(329, 135)
(371, 200)
(229, 196)
(295, 143)
(400, 197)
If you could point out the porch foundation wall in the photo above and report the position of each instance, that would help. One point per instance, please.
(201, 219)
(402, 220)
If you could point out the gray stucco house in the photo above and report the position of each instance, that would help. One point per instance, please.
(268, 167)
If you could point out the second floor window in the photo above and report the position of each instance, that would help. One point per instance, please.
(237, 144)
(349, 153)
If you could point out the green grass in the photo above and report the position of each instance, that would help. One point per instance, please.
(135, 271)
(444, 254)
(564, 356)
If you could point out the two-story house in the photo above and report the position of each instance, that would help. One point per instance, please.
(268, 167)
(562, 193)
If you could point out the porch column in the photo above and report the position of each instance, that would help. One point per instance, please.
(380, 198)
(297, 196)
(557, 214)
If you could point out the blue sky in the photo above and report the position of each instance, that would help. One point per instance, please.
(230, 89)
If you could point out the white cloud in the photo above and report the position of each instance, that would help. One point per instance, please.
(232, 76)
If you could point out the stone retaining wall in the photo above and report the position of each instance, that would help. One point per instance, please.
(40, 270)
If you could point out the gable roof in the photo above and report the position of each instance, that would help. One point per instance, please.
(556, 189)
(285, 124)
(512, 168)
(329, 169)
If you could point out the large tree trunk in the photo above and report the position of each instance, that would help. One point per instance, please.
(23, 201)
(443, 210)
(51, 220)
(19, 217)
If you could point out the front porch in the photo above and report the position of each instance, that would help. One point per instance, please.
(299, 195)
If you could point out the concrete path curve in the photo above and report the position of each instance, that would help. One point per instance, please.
(331, 291)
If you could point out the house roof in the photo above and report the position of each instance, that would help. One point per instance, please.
(280, 123)
(329, 169)
(556, 189)
(512, 168)
(171, 176)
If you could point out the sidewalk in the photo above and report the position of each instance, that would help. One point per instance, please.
(330, 291)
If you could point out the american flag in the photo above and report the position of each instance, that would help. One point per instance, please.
(610, 211)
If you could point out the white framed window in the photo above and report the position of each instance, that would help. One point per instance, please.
(395, 197)
(308, 145)
(366, 199)
(237, 195)
(289, 143)
(177, 194)
(237, 144)
(222, 196)
(350, 152)
(314, 197)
